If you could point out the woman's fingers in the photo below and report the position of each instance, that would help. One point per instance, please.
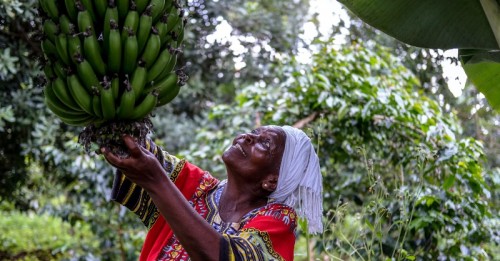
(111, 158)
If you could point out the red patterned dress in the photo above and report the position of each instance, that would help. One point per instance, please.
(265, 233)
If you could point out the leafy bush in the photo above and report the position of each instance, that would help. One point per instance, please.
(31, 237)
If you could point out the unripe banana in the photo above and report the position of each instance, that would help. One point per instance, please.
(89, 6)
(138, 79)
(164, 86)
(49, 49)
(87, 75)
(60, 70)
(108, 102)
(115, 49)
(62, 48)
(50, 30)
(92, 51)
(170, 66)
(130, 53)
(62, 92)
(174, 17)
(169, 96)
(131, 22)
(127, 102)
(152, 49)
(71, 10)
(145, 24)
(84, 19)
(145, 106)
(49, 73)
(57, 106)
(115, 87)
(52, 9)
(74, 47)
(123, 8)
(100, 8)
(64, 24)
(141, 5)
(96, 105)
(111, 15)
(157, 9)
(80, 94)
(159, 65)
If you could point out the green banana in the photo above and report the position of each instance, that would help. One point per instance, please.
(174, 17)
(64, 24)
(49, 73)
(100, 7)
(80, 94)
(131, 21)
(145, 107)
(49, 49)
(79, 122)
(74, 47)
(138, 79)
(127, 102)
(61, 91)
(161, 26)
(169, 67)
(160, 64)
(130, 53)
(123, 8)
(52, 9)
(50, 30)
(71, 10)
(108, 102)
(92, 51)
(62, 48)
(157, 7)
(152, 48)
(60, 70)
(144, 29)
(169, 96)
(164, 86)
(87, 75)
(56, 106)
(96, 105)
(141, 5)
(111, 15)
(89, 6)
(115, 87)
(114, 49)
(84, 19)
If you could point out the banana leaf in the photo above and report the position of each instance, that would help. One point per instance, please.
(472, 26)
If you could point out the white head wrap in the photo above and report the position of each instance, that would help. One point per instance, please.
(300, 181)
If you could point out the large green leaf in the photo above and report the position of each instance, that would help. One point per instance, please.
(440, 24)
(483, 70)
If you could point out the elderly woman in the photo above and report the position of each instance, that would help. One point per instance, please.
(273, 177)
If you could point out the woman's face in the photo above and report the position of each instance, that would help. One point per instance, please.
(256, 154)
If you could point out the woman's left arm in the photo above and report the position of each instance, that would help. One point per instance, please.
(199, 239)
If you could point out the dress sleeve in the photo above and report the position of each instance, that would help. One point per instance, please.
(270, 235)
(134, 197)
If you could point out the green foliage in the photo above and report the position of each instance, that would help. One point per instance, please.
(50, 238)
(362, 97)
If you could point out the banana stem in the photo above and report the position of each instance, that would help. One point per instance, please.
(492, 10)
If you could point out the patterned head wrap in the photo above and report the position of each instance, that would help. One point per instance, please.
(300, 181)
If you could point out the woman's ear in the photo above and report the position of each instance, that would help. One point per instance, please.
(270, 183)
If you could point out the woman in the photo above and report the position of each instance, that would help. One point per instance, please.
(272, 176)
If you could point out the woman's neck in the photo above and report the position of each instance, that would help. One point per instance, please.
(236, 201)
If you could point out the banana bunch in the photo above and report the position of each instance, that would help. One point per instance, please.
(110, 60)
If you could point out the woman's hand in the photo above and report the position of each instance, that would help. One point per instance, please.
(141, 166)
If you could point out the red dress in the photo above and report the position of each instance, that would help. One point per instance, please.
(265, 233)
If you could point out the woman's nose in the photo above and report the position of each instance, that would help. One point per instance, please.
(249, 137)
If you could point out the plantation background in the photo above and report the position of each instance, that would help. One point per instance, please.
(410, 171)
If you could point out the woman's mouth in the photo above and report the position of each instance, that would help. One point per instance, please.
(240, 148)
